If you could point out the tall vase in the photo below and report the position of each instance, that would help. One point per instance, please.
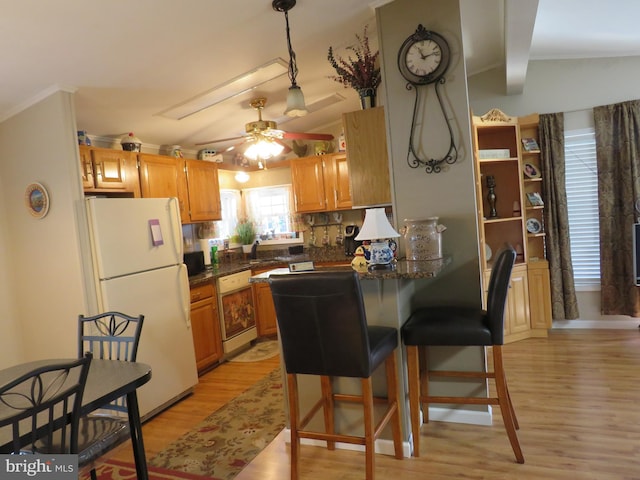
(367, 98)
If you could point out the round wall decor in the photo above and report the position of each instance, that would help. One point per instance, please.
(37, 200)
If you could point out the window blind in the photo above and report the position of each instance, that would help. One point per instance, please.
(582, 205)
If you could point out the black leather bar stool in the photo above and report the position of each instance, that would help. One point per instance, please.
(462, 326)
(324, 332)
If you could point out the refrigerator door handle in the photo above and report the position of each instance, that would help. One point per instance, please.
(185, 295)
(176, 227)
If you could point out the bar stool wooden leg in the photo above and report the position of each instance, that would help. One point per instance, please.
(369, 427)
(413, 374)
(505, 403)
(328, 408)
(294, 420)
(423, 356)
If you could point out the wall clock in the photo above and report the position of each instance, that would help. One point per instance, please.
(423, 60)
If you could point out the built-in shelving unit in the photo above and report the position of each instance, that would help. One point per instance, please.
(508, 180)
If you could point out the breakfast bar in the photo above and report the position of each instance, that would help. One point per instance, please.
(388, 298)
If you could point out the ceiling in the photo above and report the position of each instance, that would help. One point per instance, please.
(130, 61)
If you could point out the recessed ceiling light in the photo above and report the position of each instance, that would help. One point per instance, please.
(234, 87)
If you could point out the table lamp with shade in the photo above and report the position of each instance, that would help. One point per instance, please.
(378, 230)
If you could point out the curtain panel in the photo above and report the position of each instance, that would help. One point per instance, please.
(617, 129)
(564, 304)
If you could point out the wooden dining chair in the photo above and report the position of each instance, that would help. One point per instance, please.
(46, 402)
(113, 336)
(324, 332)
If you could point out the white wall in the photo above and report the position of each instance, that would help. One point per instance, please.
(11, 340)
(44, 283)
(570, 86)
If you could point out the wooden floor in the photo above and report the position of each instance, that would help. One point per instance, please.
(576, 394)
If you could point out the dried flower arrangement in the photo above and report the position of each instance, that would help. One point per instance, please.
(360, 73)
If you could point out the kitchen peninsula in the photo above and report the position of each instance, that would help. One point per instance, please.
(388, 303)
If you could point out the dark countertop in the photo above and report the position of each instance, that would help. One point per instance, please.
(405, 270)
(280, 259)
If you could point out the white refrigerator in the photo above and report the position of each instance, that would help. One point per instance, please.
(138, 268)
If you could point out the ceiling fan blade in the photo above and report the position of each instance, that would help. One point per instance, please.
(220, 140)
(306, 136)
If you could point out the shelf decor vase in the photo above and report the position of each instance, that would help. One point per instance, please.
(423, 239)
(367, 98)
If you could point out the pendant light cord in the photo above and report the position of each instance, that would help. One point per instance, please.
(293, 67)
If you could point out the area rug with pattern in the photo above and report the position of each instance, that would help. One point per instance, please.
(259, 351)
(118, 470)
(228, 439)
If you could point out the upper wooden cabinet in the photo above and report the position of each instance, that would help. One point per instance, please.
(109, 171)
(366, 139)
(193, 182)
(203, 191)
(321, 183)
(162, 177)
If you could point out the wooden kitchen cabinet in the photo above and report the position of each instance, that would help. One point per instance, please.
(367, 157)
(203, 191)
(163, 177)
(266, 321)
(205, 326)
(539, 295)
(517, 309)
(108, 171)
(321, 183)
(193, 182)
(517, 314)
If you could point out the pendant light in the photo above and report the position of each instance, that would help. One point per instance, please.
(295, 98)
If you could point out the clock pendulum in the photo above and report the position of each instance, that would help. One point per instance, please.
(423, 60)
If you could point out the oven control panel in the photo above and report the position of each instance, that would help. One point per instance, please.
(233, 282)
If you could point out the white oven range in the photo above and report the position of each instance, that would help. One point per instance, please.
(237, 313)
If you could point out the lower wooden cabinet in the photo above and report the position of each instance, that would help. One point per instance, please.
(528, 309)
(516, 319)
(266, 321)
(265, 310)
(539, 295)
(205, 326)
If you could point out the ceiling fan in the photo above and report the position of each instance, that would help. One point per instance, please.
(267, 130)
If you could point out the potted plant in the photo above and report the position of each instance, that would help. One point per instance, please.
(246, 232)
(361, 73)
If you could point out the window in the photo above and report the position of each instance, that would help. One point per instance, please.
(582, 206)
(230, 201)
(269, 208)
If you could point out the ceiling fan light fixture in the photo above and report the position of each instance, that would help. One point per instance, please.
(295, 98)
(295, 102)
(263, 149)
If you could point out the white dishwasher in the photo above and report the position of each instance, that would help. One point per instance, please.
(237, 313)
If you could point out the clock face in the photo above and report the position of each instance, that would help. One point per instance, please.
(423, 57)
